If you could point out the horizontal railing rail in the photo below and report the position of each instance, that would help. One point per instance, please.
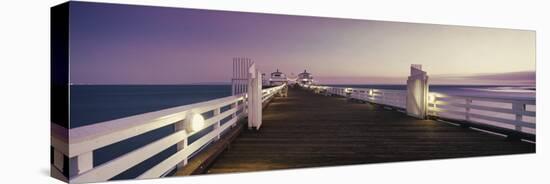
(83, 141)
(392, 98)
(518, 115)
(511, 114)
(270, 92)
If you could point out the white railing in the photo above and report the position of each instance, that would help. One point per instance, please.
(84, 140)
(393, 98)
(518, 115)
(267, 94)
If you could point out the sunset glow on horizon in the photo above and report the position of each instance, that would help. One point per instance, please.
(121, 44)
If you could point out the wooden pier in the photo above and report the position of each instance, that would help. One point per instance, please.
(302, 125)
(311, 130)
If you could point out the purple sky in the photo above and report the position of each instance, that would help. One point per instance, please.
(120, 44)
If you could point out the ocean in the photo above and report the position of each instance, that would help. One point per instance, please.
(97, 103)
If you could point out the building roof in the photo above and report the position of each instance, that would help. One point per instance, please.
(277, 72)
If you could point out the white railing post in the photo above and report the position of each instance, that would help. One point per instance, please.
(217, 125)
(434, 105)
(384, 97)
(58, 159)
(236, 113)
(518, 108)
(468, 103)
(254, 98)
(179, 126)
(81, 163)
(417, 92)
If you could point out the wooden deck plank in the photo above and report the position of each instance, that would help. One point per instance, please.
(311, 130)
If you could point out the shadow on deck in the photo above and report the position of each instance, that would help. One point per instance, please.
(310, 130)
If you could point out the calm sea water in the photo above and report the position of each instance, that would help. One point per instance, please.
(97, 103)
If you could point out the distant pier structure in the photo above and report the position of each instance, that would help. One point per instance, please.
(305, 78)
(278, 78)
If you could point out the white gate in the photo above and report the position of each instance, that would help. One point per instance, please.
(417, 92)
(247, 79)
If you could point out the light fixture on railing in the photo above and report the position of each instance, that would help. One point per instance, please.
(194, 122)
(431, 98)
